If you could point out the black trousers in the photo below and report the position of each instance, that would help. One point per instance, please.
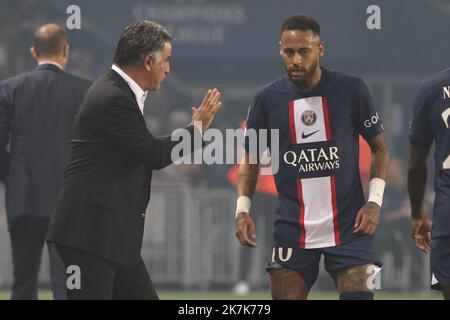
(27, 236)
(101, 279)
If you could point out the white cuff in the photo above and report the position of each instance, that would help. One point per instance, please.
(243, 204)
(376, 190)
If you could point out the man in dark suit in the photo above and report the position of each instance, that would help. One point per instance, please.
(37, 110)
(98, 222)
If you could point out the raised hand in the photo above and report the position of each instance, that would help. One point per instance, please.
(205, 112)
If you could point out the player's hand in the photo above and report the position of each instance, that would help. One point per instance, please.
(367, 219)
(245, 224)
(420, 232)
(205, 112)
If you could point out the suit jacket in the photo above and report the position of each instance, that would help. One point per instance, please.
(37, 110)
(103, 200)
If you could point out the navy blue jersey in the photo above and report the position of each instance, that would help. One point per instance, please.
(318, 180)
(431, 122)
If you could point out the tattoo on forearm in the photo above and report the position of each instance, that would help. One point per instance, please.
(247, 183)
(379, 165)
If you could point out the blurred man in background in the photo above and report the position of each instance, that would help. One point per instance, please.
(36, 117)
(322, 209)
(431, 123)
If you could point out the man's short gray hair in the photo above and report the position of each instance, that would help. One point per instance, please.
(139, 39)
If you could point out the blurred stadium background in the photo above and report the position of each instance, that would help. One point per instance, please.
(189, 244)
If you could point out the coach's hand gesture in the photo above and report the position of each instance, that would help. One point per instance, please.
(206, 111)
(367, 219)
(245, 224)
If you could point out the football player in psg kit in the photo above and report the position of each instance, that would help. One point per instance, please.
(322, 209)
(431, 122)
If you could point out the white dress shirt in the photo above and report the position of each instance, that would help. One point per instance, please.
(50, 62)
(140, 94)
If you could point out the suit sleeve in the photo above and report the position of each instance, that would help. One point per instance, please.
(4, 131)
(125, 127)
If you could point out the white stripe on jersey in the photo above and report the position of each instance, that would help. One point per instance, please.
(318, 220)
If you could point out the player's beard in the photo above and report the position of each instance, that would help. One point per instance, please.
(302, 82)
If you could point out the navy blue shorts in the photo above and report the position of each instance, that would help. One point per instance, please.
(306, 261)
(440, 263)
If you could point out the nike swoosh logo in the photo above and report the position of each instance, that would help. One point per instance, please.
(305, 136)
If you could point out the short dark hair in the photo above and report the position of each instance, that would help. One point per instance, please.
(139, 39)
(49, 40)
(301, 22)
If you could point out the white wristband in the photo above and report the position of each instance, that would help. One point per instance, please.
(243, 204)
(376, 190)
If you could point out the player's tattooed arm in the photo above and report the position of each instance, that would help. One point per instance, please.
(417, 178)
(368, 216)
(246, 184)
(247, 177)
(380, 156)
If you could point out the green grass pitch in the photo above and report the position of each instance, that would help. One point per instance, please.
(257, 295)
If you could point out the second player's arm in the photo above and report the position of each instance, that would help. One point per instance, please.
(417, 179)
(367, 219)
(246, 185)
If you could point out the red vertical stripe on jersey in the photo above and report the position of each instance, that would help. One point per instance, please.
(326, 118)
(337, 234)
(292, 122)
(301, 219)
